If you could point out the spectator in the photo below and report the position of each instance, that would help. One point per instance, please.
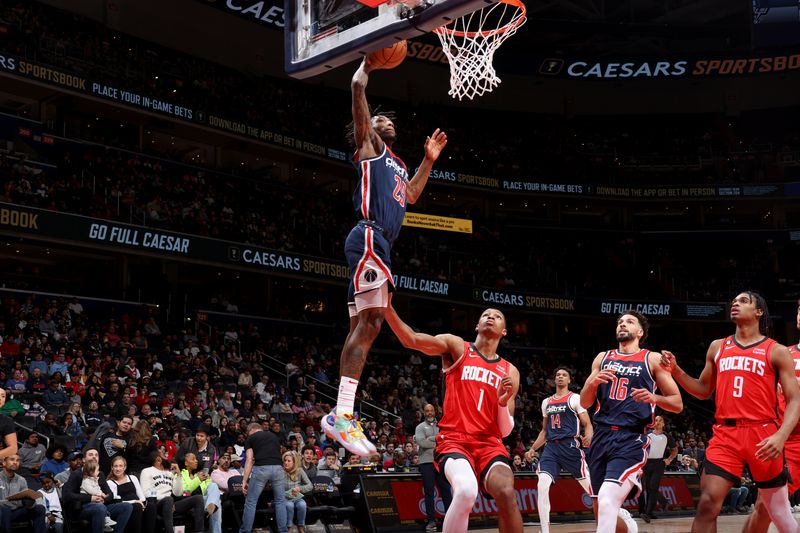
(330, 467)
(14, 489)
(38, 363)
(193, 481)
(55, 395)
(37, 382)
(223, 473)
(31, 454)
(694, 451)
(141, 446)
(116, 443)
(201, 447)
(50, 428)
(93, 508)
(126, 487)
(162, 482)
(75, 462)
(17, 383)
(297, 486)
(425, 437)
(91, 486)
(399, 462)
(74, 429)
(59, 365)
(56, 455)
(262, 465)
(309, 461)
(54, 516)
(93, 416)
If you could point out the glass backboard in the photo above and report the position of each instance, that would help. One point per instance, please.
(324, 34)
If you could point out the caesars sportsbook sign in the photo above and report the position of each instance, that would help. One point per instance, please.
(40, 224)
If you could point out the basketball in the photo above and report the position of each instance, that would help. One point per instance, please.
(390, 57)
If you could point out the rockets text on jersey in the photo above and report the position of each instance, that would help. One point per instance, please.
(615, 403)
(562, 419)
(470, 400)
(746, 381)
(380, 195)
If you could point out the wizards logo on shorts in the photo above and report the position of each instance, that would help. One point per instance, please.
(370, 275)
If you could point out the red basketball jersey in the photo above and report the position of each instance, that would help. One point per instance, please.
(470, 399)
(795, 351)
(746, 381)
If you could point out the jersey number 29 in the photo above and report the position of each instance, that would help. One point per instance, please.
(400, 191)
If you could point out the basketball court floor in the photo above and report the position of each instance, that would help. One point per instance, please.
(725, 524)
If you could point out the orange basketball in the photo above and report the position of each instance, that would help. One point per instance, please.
(388, 57)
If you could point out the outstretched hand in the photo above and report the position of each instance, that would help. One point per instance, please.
(668, 361)
(435, 144)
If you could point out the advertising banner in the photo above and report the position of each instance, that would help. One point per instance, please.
(47, 225)
(421, 220)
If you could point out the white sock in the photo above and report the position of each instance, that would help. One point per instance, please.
(465, 490)
(777, 502)
(609, 502)
(347, 395)
(543, 501)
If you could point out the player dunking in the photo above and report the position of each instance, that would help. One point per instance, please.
(480, 387)
(623, 384)
(380, 198)
(561, 431)
(744, 369)
(758, 522)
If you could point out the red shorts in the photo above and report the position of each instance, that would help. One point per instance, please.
(733, 447)
(792, 452)
(481, 452)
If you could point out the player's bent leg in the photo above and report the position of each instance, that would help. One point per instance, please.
(758, 521)
(340, 424)
(611, 517)
(543, 500)
(776, 501)
(713, 490)
(499, 483)
(464, 485)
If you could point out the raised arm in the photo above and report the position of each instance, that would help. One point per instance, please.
(445, 345)
(702, 387)
(433, 147)
(367, 141)
(670, 397)
(771, 447)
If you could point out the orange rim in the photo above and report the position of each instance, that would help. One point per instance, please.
(516, 22)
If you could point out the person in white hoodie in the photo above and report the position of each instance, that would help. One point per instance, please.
(54, 517)
(161, 484)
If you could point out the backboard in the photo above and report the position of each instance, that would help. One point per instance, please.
(324, 34)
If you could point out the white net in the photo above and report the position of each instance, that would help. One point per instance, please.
(470, 42)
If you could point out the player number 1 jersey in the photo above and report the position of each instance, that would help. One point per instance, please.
(470, 400)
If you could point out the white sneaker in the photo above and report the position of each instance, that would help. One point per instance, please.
(629, 521)
(348, 432)
(109, 524)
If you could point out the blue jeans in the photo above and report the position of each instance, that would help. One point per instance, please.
(213, 495)
(95, 514)
(34, 515)
(298, 505)
(255, 486)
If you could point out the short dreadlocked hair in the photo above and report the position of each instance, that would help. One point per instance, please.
(350, 130)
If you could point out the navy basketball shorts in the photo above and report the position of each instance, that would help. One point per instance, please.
(564, 454)
(368, 256)
(617, 455)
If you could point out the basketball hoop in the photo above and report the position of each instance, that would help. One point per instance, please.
(470, 42)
